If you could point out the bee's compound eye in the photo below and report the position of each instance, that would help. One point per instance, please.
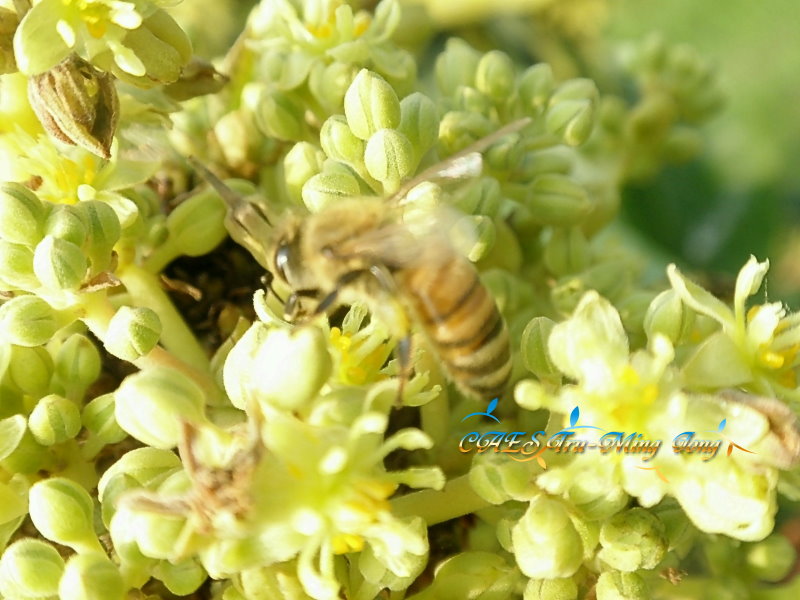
(282, 259)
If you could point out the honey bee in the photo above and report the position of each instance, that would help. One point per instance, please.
(360, 250)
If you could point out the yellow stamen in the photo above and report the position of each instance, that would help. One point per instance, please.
(347, 542)
(628, 375)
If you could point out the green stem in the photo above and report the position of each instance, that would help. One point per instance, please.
(176, 336)
(455, 500)
(161, 256)
(435, 419)
(97, 314)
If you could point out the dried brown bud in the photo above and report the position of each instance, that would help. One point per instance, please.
(77, 104)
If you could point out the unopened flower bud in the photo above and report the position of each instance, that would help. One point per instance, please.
(535, 86)
(328, 83)
(198, 78)
(571, 120)
(28, 321)
(482, 197)
(472, 100)
(30, 369)
(153, 405)
(771, 559)
(181, 578)
(62, 512)
(481, 575)
(155, 534)
(326, 188)
(280, 116)
(389, 157)
(613, 585)
(669, 316)
(370, 105)
(65, 222)
(339, 142)
(59, 264)
(534, 348)
(11, 431)
(459, 129)
(77, 104)
(456, 66)
(132, 332)
(153, 53)
(99, 419)
(77, 362)
(557, 200)
(104, 231)
(497, 480)
(300, 164)
(16, 266)
(494, 75)
(250, 374)
(8, 25)
(147, 467)
(54, 420)
(633, 539)
(419, 122)
(91, 576)
(197, 225)
(567, 251)
(546, 543)
(551, 589)
(22, 215)
(30, 568)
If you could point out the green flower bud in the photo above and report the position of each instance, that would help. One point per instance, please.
(482, 197)
(132, 332)
(16, 266)
(370, 105)
(155, 534)
(54, 420)
(456, 66)
(153, 405)
(419, 122)
(104, 231)
(534, 348)
(198, 78)
(28, 456)
(679, 531)
(495, 75)
(571, 120)
(91, 576)
(389, 157)
(771, 559)
(551, 589)
(30, 568)
(497, 479)
(557, 200)
(339, 143)
(651, 118)
(682, 144)
(77, 104)
(458, 129)
(325, 188)
(181, 578)
(613, 585)
(156, 52)
(66, 223)
(633, 311)
(504, 252)
(469, 99)
(9, 21)
(22, 215)
(632, 540)
(328, 84)
(567, 251)
(481, 575)
(148, 467)
(279, 115)
(30, 369)
(78, 362)
(197, 225)
(546, 543)
(300, 164)
(99, 419)
(282, 367)
(28, 321)
(535, 86)
(669, 316)
(11, 431)
(62, 512)
(59, 264)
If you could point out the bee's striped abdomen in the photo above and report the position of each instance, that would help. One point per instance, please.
(463, 322)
